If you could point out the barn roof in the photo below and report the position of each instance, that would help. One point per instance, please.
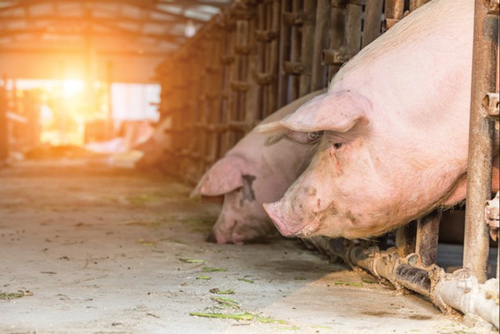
(112, 26)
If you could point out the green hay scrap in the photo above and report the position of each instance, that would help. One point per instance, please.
(225, 292)
(340, 283)
(15, 295)
(143, 199)
(367, 281)
(203, 277)
(146, 242)
(238, 316)
(246, 280)
(246, 316)
(195, 261)
(227, 302)
(212, 269)
(293, 328)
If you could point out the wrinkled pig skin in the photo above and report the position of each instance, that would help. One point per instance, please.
(396, 123)
(250, 174)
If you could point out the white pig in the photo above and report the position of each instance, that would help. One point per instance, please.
(396, 124)
(250, 174)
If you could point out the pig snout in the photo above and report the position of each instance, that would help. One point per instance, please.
(290, 226)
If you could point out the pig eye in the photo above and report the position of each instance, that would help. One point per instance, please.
(337, 145)
(313, 136)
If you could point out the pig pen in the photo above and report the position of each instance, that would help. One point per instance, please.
(87, 248)
(258, 56)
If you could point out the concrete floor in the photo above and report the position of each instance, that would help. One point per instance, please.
(92, 249)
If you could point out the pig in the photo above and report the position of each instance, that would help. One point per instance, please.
(395, 123)
(154, 148)
(250, 174)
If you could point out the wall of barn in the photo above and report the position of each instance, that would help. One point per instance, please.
(252, 59)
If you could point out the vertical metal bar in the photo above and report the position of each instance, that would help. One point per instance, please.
(319, 79)
(427, 237)
(272, 96)
(307, 46)
(295, 51)
(337, 33)
(373, 21)
(251, 95)
(484, 61)
(353, 14)
(406, 239)
(284, 54)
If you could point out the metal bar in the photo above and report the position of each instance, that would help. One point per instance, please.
(481, 134)
(406, 239)
(284, 55)
(319, 71)
(336, 35)
(373, 21)
(427, 237)
(307, 46)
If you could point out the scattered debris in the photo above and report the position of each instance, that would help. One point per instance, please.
(146, 242)
(191, 260)
(341, 283)
(222, 292)
(293, 328)
(212, 269)
(203, 277)
(224, 301)
(369, 281)
(246, 280)
(19, 294)
(246, 316)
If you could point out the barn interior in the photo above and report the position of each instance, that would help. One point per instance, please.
(111, 111)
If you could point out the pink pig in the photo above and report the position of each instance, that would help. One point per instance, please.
(250, 174)
(396, 123)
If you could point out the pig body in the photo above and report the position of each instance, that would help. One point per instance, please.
(250, 174)
(396, 122)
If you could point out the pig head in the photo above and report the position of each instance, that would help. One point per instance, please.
(242, 217)
(395, 123)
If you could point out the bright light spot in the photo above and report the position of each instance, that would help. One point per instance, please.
(72, 87)
(190, 29)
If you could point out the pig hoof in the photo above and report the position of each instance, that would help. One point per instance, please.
(211, 238)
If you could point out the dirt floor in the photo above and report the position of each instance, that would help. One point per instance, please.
(92, 249)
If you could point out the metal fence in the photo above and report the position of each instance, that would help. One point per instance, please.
(260, 55)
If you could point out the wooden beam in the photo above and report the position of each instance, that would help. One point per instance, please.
(80, 51)
(58, 19)
(117, 32)
(142, 4)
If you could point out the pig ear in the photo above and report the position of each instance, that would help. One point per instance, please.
(338, 112)
(223, 177)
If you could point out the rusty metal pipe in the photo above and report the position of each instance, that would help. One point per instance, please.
(481, 136)
(427, 237)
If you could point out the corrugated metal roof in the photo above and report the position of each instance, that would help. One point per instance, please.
(140, 26)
